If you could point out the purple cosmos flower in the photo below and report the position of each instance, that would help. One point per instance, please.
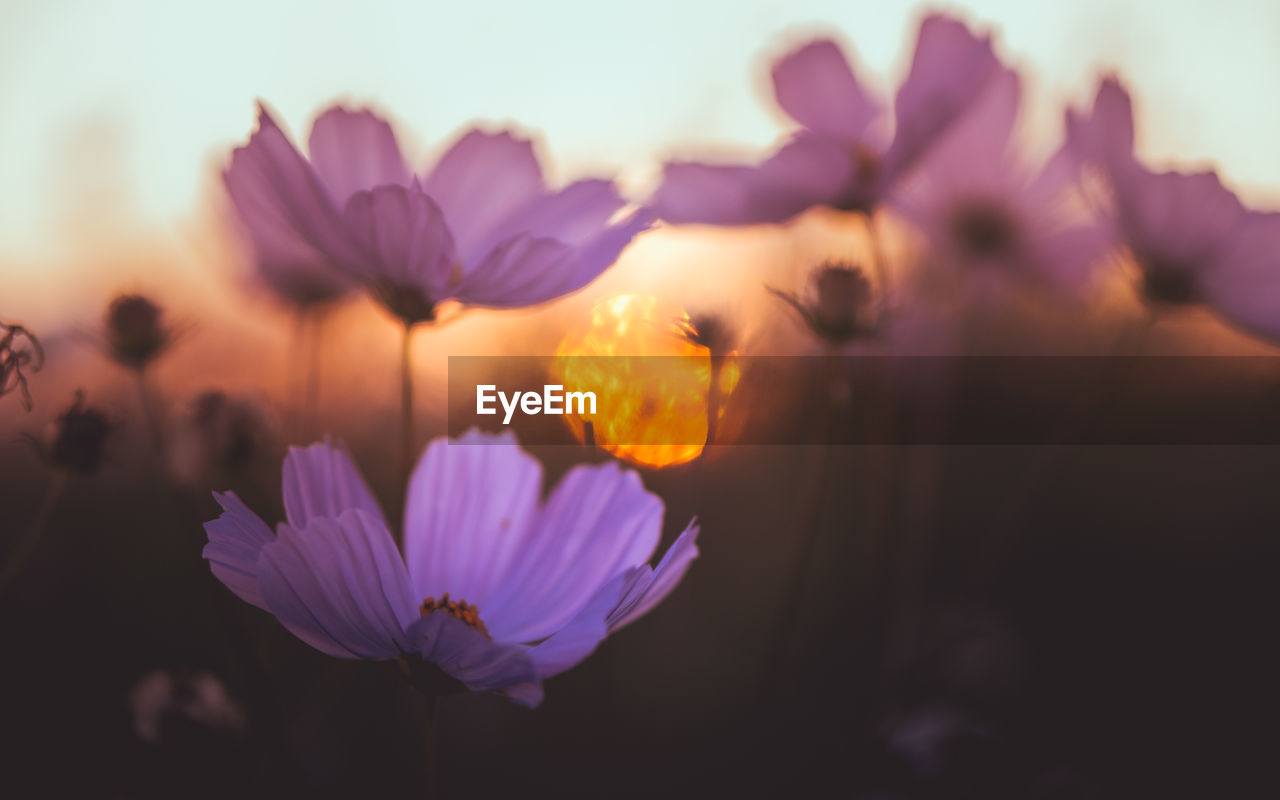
(986, 214)
(480, 227)
(1191, 239)
(495, 590)
(842, 157)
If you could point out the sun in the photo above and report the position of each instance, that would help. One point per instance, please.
(651, 380)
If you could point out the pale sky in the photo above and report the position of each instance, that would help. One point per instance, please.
(122, 108)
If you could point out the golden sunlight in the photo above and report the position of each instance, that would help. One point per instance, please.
(654, 403)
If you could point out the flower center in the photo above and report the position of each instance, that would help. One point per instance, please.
(984, 229)
(859, 193)
(1172, 284)
(458, 609)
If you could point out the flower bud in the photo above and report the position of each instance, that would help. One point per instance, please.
(839, 305)
(217, 438)
(78, 437)
(136, 332)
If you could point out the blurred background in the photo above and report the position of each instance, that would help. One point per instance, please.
(969, 622)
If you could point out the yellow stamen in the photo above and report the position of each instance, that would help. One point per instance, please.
(458, 609)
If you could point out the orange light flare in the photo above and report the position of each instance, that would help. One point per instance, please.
(650, 379)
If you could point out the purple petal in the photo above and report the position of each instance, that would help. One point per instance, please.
(1244, 284)
(975, 149)
(809, 170)
(1104, 136)
(816, 87)
(408, 242)
(322, 481)
(949, 70)
(599, 522)
(235, 540)
(354, 150)
(471, 657)
(574, 215)
(479, 181)
(282, 200)
(651, 586)
(1179, 217)
(713, 194)
(471, 504)
(340, 586)
(615, 605)
(579, 637)
(522, 271)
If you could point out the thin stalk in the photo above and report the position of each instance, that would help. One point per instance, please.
(406, 413)
(430, 761)
(787, 636)
(879, 264)
(31, 538)
(713, 401)
(315, 354)
(150, 410)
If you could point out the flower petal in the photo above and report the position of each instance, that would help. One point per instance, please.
(599, 522)
(340, 586)
(615, 605)
(479, 181)
(322, 481)
(471, 504)
(235, 540)
(651, 586)
(1244, 285)
(1179, 217)
(280, 197)
(573, 215)
(950, 69)
(408, 242)
(1104, 136)
(817, 88)
(809, 170)
(522, 271)
(974, 151)
(579, 637)
(353, 150)
(475, 660)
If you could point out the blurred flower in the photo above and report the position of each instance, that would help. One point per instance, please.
(19, 350)
(218, 438)
(543, 584)
(76, 441)
(1191, 239)
(984, 213)
(136, 332)
(710, 331)
(842, 157)
(480, 227)
(839, 305)
(162, 696)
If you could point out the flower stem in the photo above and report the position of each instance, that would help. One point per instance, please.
(713, 401)
(880, 264)
(315, 353)
(27, 544)
(788, 636)
(430, 763)
(150, 410)
(406, 413)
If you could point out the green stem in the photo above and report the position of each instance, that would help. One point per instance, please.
(27, 544)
